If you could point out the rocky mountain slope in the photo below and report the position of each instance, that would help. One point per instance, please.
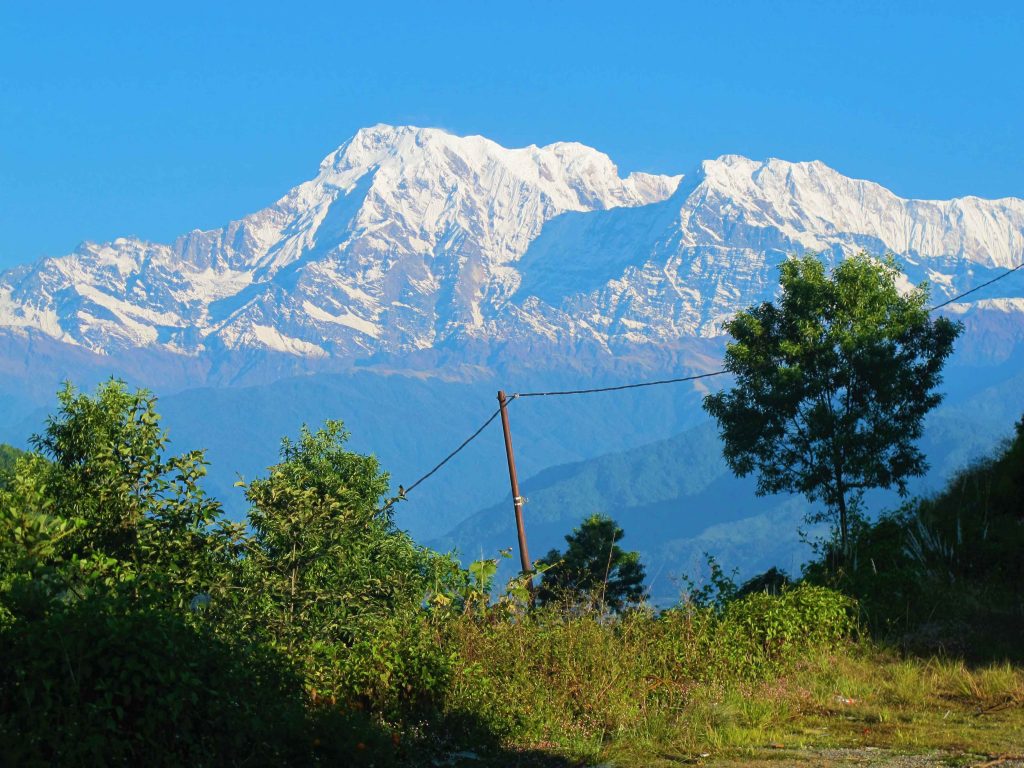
(403, 240)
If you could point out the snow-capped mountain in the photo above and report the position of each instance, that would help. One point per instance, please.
(679, 268)
(413, 239)
(403, 238)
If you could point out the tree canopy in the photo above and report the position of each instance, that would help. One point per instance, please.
(593, 566)
(9, 456)
(330, 580)
(140, 519)
(832, 384)
(115, 563)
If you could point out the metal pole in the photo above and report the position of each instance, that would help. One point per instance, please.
(517, 500)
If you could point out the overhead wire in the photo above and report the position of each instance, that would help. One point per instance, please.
(621, 386)
(450, 456)
(976, 288)
(404, 491)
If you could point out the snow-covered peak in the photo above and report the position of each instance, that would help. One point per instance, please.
(811, 202)
(412, 239)
(575, 176)
(426, 181)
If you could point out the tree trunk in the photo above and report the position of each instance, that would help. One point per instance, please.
(844, 541)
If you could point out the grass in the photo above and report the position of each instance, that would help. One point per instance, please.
(644, 691)
(914, 704)
(852, 699)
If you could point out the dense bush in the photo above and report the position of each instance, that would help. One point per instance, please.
(945, 573)
(96, 684)
(795, 619)
(137, 622)
(329, 581)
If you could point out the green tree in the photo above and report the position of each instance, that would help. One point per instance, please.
(832, 385)
(143, 526)
(9, 456)
(329, 580)
(106, 542)
(593, 566)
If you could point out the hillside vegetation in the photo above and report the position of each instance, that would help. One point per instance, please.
(138, 625)
(946, 573)
(8, 458)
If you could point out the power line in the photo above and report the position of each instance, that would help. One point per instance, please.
(977, 288)
(450, 456)
(405, 491)
(493, 416)
(621, 386)
(719, 373)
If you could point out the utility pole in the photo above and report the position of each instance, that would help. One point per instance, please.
(517, 500)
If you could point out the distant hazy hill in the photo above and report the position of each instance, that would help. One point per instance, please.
(677, 499)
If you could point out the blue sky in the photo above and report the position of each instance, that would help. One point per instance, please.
(154, 119)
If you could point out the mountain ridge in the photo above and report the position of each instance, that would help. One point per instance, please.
(412, 243)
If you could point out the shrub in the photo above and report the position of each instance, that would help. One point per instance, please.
(94, 684)
(799, 618)
(329, 581)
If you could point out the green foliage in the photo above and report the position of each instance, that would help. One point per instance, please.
(142, 525)
(474, 591)
(136, 626)
(799, 618)
(772, 582)
(593, 567)
(329, 581)
(482, 573)
(716, 591)
(9, 456)
(832, 385)
(95, 684)
(945, 573)
(31, 537)
(135, 622)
